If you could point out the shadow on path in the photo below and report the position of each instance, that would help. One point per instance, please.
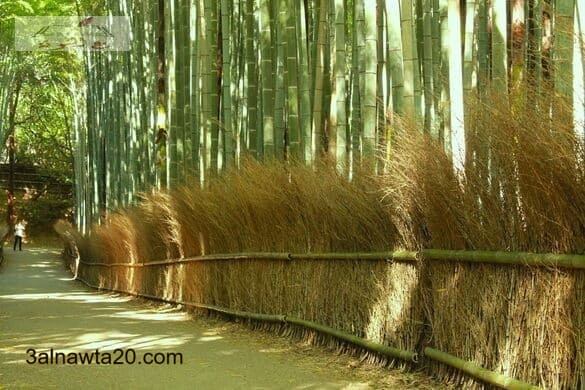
(41, 308)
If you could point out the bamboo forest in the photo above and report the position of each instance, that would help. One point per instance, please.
(293, 194)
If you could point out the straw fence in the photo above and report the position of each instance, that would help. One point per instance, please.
(455, 313)
(307, 250)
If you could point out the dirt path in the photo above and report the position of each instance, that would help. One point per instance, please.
(42, 308)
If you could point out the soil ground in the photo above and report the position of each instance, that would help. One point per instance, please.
(41, 308)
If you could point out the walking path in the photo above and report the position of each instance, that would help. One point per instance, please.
(41, 309)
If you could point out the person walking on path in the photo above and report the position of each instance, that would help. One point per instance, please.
(18, 234)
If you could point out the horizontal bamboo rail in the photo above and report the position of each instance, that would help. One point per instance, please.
(510, 258)
(279, 318)
(574, 261)
(196, 259)
(360, 342)
(478, 372)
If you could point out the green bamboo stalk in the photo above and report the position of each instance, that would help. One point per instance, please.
(355, 103)
(185, 49)
(206, 81)
(195, 97)
(317, 126)
(138, 118)
(310, 10)
(289, 14)
(470, 54)
(280, 100)
(395, 56)
(340, 88)
(456, 89)
(328, 75)
(238, 69)
(226, 25)
(563, 48)
(305, 107)
(267, 79)
(315, 12)
(331, 129)
(429, 113)
(214, 136)
(410, 58)
(482, 45)
(499, 46)
(178, 129)
(369, 97)
(112, 146)
(438, 82)
(579, 77)
(90, 108)
(534, 43)
(478, 372)
(171, 106)
(445, 106)
(383, 83)
(252, 79)
(361, 77)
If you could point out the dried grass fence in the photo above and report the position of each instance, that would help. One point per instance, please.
(522, 192)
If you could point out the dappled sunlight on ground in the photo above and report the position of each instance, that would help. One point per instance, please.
(41, 265)
(43, 309)
(210, 338)
(149, 315)
(73, 296)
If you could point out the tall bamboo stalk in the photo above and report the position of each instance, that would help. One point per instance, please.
(340, 87)
(456, 89)
(252, 75)
(470, 53)
(226, 53)
(289, 12)
(445, 105)
(268, 79)
(355, 94)
(317, 126)
(410, 58)
(563, 47)
(499, 52)
(305, 107)
(280, 98)
(395, 56)
(429, 112)
(579, 77)
(214, 93)
(370, 64)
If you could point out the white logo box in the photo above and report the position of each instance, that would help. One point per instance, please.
(96, 33)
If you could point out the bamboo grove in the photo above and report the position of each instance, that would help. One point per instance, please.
(209, 83)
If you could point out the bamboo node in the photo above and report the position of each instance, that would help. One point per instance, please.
(415, 357)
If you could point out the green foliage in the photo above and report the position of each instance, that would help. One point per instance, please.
(43, 212)
(43, 133)
(44, 112)
(11, 8)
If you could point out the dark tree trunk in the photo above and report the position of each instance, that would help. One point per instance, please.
(13, 105)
